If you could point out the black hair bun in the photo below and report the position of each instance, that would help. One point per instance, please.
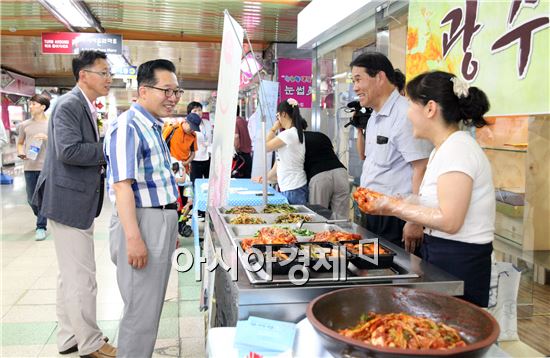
(473, 107)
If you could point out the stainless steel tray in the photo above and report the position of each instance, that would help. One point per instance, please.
(302, 209)
(250, 230)
(351, 275)
(270, 218)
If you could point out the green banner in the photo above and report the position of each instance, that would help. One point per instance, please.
(498, 46)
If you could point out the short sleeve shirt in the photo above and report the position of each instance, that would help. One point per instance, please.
(134, 149)
(290, 161)
(27, 131)
(390, 148)
(461, 153)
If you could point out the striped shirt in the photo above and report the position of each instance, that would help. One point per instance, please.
(134, 149)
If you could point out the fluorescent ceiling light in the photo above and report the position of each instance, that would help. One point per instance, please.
(340, 75)
(117, 61)
(72, 13)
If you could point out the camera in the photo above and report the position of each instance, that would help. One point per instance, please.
(360, 117)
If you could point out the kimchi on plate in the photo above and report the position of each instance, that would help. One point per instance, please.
(400, 330)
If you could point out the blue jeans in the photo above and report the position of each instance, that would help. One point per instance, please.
(31, 177)
(297, 196)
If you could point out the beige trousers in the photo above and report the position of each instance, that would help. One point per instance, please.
(330, 189)
(76, 289)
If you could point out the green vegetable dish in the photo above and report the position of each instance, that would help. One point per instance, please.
(279, 209)
(303, 232)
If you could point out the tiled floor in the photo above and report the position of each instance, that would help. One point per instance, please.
(29, 274)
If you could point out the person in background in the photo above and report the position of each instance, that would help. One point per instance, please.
(31, 147)
(327, 177)
(288, 170)
(69, 193)
(457, 198)
(181, 141)
(243, 144)
(144, 223)
(399, 79)
(200, 166)
(394, 161)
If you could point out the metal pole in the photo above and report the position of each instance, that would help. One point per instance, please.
(261, 102)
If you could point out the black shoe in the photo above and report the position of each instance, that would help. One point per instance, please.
(75, 347)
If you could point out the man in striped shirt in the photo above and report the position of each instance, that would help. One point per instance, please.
(143, 228)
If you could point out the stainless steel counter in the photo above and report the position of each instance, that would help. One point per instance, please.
(233, 300)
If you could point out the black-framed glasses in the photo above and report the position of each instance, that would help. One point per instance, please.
(168, 92)
(104, 74)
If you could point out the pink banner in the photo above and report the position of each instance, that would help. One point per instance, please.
(14, 83)
(295, 81)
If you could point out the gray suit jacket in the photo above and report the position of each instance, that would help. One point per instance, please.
(70, 187)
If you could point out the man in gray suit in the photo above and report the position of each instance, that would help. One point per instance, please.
(69, 193)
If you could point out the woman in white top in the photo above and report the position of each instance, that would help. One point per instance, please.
(291, 150)
(457, 199)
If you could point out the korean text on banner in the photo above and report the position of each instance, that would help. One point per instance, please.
(500, 47)
(226, 106)
(295, 81)
(74, 42)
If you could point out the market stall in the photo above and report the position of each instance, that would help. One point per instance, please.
(235, 295)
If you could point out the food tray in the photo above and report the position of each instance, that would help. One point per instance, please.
(270, 218)
(305, 247)
(384, 260)
(301, 209)
(250, 230)
(279, 266)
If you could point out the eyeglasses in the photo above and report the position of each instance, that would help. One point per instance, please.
(103, 74)
(168, 92)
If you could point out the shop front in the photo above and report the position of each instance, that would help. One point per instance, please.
(500, 48)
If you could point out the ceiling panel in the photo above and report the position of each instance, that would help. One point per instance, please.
(188, 31)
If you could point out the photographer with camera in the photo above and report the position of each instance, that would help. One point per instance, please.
(394, 161)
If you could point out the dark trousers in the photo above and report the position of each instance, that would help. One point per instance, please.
(386, 227)
(469, 262)
(31, 177)
(247, 168)
(199, 169)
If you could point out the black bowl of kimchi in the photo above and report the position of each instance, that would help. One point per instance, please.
(344, 309)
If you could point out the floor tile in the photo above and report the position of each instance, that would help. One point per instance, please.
(189, 293)
(192, 348)
(27, 333)
(15, 281)
(10, 297)
(170, 310)
(45, 283)
(189, 309)
(168, 328)
(51, 350)
(167, 348)
(109, 329)
(191, 327)
(25, 314)
(21, 351)
(38, 297)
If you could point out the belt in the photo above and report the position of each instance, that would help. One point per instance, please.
(171, 206)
